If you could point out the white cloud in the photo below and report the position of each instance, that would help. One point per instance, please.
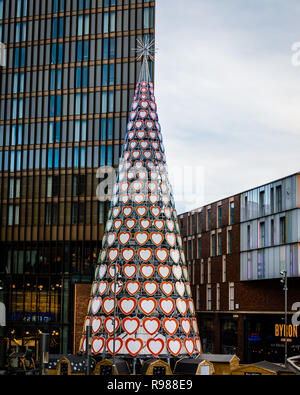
(228, 95)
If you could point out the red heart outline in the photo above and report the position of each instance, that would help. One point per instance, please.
(107, 312)
(153, 134)
(141, 134)
(153, 234)
(189, 340)
(139, 122)
(127, 183)
(113, 267)
(139, 208)
(143, 113)
(127, 208)
(147, 154)
(167, 283)
(116, 210)
(103, 292)
(182, 327)
(124, 270)
(132, 256)
(144, 144)
(114, 238)
(136, 195)
(98, 329)
(198, 344)
(96, 338)
(112, 340)
(148, 283)
(147, 266)
(165, 325)
(161, 300)
(147, 300)
(132, 282)
(155, 208)
(133, 354)
(171, 236)
(141, 233)
(129, 319)
(151, 320)
(164, 267)
(116, 221)
(149, 341)
(144, 101)
(167, 212)
(195, 325)
(112, 285)
(129, 220)
(148, 222)
(145, 249)
(111, 319)
(164, 250)
(149, 124)
(136, 154)
(156, 221)
(127, 300)
(169, 348)
(186, 306)
(124, 233)
(139, 187)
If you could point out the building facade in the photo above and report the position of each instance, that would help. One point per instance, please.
(236, 249)
(64, 106)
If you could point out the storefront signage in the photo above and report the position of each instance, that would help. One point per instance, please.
(30, 316)
(286, 331)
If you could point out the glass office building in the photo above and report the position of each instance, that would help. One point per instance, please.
(65, 95)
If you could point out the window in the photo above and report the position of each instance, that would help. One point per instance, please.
(272, 200)
(282, 230)
(224, 276)
(262, 203)
(208, 219)
(231, 296)
(13, 215)
(246, 207)
(208, 297)
(262, 235)
(200, 222)
(77, 213)
(231, 219)
(272, 232)
(279, 198)
(229, 241)
(219, 216)
(218, 297)
(249, 241)
(202, 272)
(209, 271)
(199, 247)
(213, 245)
(219, 252)
(261, 264)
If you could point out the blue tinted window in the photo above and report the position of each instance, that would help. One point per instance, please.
(111, 74)
(104, 74)
(54, 28)
(110, 125)
(50, 158)
(82, 157)
(103, 129)
(56, 158)
(102, 155)
(109, 155)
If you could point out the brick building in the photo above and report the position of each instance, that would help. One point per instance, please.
(235, 249)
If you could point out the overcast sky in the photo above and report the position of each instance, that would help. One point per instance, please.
(228, 94)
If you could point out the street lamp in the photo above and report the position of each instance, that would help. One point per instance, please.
(283, 280)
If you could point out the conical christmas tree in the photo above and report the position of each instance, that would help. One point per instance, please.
(141, 304)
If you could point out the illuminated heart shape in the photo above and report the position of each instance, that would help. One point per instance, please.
(181, 305)
(132, 115)
(152, 186)
(180, 288)
(94, 287)
(142, 174)
(128, 254)
(109, 225)
(141, 237)
(110, 345)
(145, 223)
(127, 211)
(175, 255)
(167, 305)
(191, 306)
(150, 287)
(102, 288)
(151, 325)
(195, 325)
(188, 289)
(167, 212)
(167, 288)
(161, 254)
(164, 271)
(144, 90)
(153, 134)
(170, 225)
(129, 126)
(97, 345)
(138, 124)
(177, 271)
(155, 346)
(165, 198)
(153, 105)
(96, 324)
(124, 237)
(198, 344)
(170, 325)
(159, 224)
(143, 114)
(131, 134)
(118, 223)
(109, 325)
(156, 238)
(150, 164)
(102, 271)
(144, 104)
(141, 211)
(138, 198)
(136, 154)
(174, 346)
(116, 211)
(129, 270)
(137, 185)
(153, 198)
(185, 272)
(141, 134)
(116, 287)
(145, 254)
(155, 211)
(130, 325)
(186, 325)
(147, 270)
(102, 255)
(179, 239)
(147, 305)
(155, 145)
(153, 115)
(134, 105)
(128, 164)
(124, 186)
(189, 345)
(111, 237)
(113, 270)
(134, 346)
(96, 304)
(147, 154)
(127, 305)
(149, 124)
(130, 175)
(125, 199)
(171, 239)
(132, 287)
(109, 305)
(130, 223)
